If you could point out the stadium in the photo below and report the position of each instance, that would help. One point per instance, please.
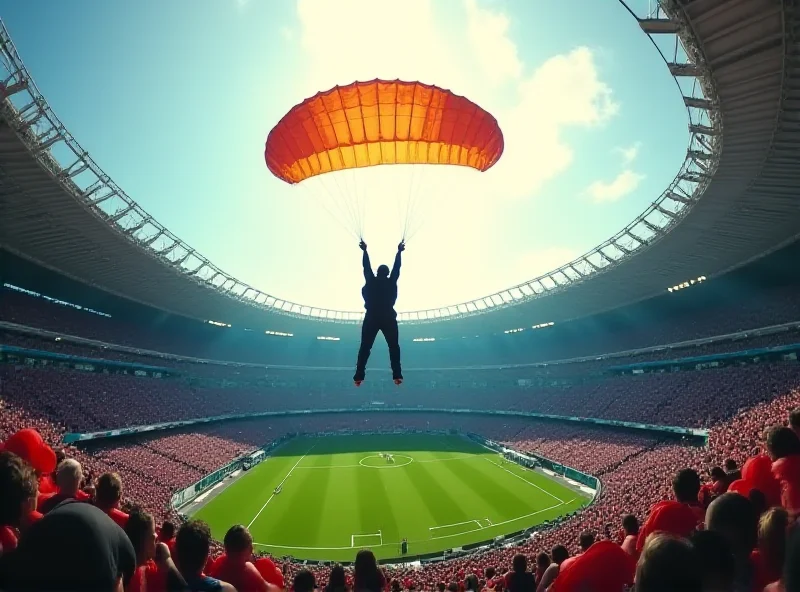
(533, 421)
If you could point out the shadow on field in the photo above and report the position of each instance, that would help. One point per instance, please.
(392, 443)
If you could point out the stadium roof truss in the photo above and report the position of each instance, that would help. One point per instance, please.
(143, 260)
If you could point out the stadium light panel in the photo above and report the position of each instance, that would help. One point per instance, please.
(420, 339)
(218, 324)
(327, 338)
(279, 333)
(687, 284)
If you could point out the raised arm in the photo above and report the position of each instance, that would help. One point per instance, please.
(368, 275)
(396, 267)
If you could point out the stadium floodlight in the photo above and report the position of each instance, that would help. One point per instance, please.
(327, 338)
(279, 333)
(687, 284)
(218, 324)
(420, 339)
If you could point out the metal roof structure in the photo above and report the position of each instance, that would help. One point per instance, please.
(735, 198)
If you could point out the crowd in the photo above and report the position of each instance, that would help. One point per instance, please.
(669, 515)
(85, 402)
(147, 470)
(635, 327)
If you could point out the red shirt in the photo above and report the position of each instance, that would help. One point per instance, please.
(245, 578)
(603, 567)
(271, 572)
(8, 539)
(671, 517)
(762, 574)
(787, 471)
(148, 578)
(118, 516)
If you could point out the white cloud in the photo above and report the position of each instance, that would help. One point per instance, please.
(630, 153)
(351, 40)
(487, 32)
(605, 192)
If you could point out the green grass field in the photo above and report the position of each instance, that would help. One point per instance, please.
(338, 495)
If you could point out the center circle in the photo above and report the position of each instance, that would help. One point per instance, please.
(380, 462)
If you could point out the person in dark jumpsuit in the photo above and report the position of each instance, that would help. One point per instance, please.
(380, 294)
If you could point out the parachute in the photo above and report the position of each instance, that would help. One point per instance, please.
(366, 124)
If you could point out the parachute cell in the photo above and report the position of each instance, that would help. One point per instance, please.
(381, 122)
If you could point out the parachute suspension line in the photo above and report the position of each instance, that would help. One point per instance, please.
(346, 200)
(355, 191)
(314, 195)
(412, 200)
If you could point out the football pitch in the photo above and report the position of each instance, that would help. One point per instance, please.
(339, 494)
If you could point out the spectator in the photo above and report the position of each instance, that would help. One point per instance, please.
(734, 517)
(680, 517)
(720, 481)
(108, 494)
(69, 476)
(769, 556)
(790, 581)
(559, 555)
(270, 572)
(166, 535)
(732, 470)
(604, 566)
(155, 571)
(668, 564)
(585, 541)
(92, 553)
(542, 563)
(303, 581)
(489, 574)
(716, 560)
(794, 421)
(367, 576)
(784, 449)
(519, 579)
(471, 583)
(18, 492)
(337, 582)
(235, 566)
(630, 526)
(192, 546)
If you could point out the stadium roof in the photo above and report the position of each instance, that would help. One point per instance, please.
(733, 200)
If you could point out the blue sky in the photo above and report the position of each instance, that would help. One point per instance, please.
(175, 99)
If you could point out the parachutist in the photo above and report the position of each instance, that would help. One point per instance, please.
(380, 294)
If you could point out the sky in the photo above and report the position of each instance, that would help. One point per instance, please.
(175, 100)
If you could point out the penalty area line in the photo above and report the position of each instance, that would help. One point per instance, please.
(266, 503)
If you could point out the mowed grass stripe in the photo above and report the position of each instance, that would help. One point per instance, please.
(295, 520)
(375, 506)
(434, 489)
(416, 516)
(340, 507)
(491, 490)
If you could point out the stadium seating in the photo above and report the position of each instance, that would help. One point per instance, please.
(635, 470)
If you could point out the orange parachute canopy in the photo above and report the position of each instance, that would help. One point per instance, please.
(381, 122)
